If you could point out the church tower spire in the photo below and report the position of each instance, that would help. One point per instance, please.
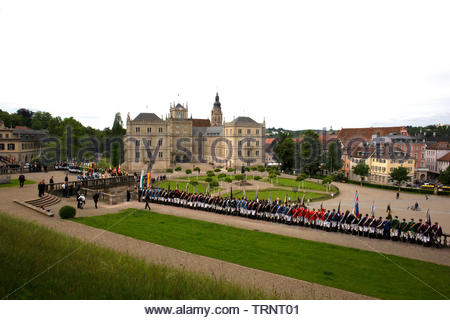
(216, 113)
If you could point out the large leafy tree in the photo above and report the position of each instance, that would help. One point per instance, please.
(399, 175)
(285, 150)
(310, 153)
(444, 177)
(362, 170)
(334, 156)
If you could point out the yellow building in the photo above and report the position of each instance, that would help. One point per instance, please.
(162, 143)
(381, 163)
(20, 144)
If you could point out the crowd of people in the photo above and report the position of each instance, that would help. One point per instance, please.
(421, 232)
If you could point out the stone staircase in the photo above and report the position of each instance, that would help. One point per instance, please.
(41, 204)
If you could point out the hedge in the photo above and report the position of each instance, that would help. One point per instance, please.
(67, 212)
(404, 189)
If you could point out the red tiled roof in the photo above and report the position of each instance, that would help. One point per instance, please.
(269, 140)
(201, 123)
(441, 145)
(445, 158)
(22, 128)
(347, 134)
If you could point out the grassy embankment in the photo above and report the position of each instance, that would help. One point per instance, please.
(92, 272)
(346, 268)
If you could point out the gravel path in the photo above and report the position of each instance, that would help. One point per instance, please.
(268, 282)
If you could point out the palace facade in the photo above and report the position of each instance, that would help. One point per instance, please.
(159, 144)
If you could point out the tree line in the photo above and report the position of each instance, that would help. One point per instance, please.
(72, 134)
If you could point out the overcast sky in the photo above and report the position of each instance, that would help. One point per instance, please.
(297, 64)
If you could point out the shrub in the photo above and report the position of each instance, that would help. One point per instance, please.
(301, 177)
(67, 212)
(261, 168)
(228, 179)
(239, 177)
(272, 175)
(178, 169)
(217, 170)
(197, 169)
(258, 178)
(230, 170)
(213, 184)
(221, 175)
(209, 179)
(188, 171)
(193, 182)
(327, 180)
(247, 169)
(169, 170)
(210, 173)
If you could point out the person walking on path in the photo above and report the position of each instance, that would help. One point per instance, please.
(21, 180)
(95, 197)
(147, 201)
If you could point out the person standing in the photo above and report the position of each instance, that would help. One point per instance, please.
(96, 197)
(21, 180)
(51, 182)
(128, 195)
(66, 179)
(139, 194)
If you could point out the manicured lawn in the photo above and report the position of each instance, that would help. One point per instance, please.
(85, 271)
(349, 269)
(274, 194)
(15, 183)
(199, 188)
(309, 185)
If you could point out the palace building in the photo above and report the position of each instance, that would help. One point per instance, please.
(159, 144)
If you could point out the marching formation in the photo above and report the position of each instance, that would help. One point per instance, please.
(422, 233)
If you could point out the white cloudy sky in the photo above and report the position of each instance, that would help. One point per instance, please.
(299, 64)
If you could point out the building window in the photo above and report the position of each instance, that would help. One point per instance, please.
(239, 131)
(257, 131)
(1, 135)
(6, 135)
(248, 131)
(149, 130)
(257, 143)
(159, 130)
(138, 129)
(257, 153)
(160, 142)
(248, 153)
(138, 155)
(160, 154)
(11, 146)
(2, 146)
(239, 153)
(137, 143)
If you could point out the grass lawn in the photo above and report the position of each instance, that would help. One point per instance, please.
(274, 194)
(15, 183)
(309, 185)
(92, 272)
(200, 187)
(349, 269)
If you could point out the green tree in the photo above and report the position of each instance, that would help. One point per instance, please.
(444, 177)
(399, 175)
(118, 132)
(301, 177)
(362, 170)
(310, 153)
(285, 151)
(333, 159)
